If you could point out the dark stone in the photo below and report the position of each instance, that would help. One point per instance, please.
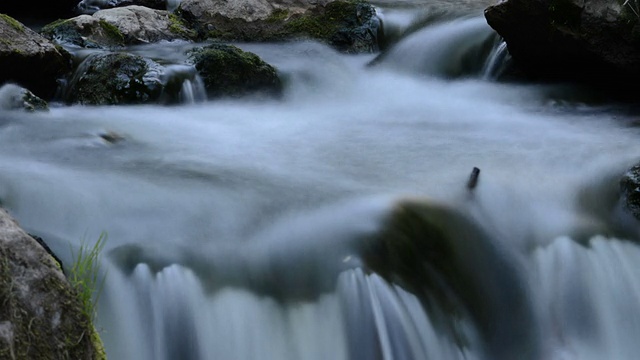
(38, 9)
(115, 78)
(630, 189)
(591, 41)
(228, 71)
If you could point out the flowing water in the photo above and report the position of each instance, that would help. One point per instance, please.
(289, 228)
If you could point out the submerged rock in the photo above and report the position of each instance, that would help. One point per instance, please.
(453, 265)
(115, 78)
(349, 26)
(30, 60)
(118, 27)
(41, 316)
(228, 71)
(14, 97)
(595, 40)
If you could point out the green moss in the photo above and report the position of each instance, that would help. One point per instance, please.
(278, 15)
(178, 27)
(13, 22)
(50, 28)
(325, 24)
(112, 32)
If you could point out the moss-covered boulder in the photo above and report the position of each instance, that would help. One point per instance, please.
(594, 41)
(14, 97)
(118, 27)
(115, 78)
(30, 60)
(349, 26)
(227, 71)
(41, 315)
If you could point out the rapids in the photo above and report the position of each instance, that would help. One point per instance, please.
(246, 228)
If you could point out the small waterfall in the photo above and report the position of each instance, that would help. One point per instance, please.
(496, 61)
(182, 84)
(448, 48)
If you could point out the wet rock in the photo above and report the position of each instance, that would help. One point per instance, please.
(41, 316)
(30, 60)
(630, 188)
(592, 40)
(91, 6)
(228, 71)
(115, 78)
(349, 26)
(14, 97)
(118, 27)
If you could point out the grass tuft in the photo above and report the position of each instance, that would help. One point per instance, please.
(85, 275)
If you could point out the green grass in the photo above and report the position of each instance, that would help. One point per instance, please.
(85, 274)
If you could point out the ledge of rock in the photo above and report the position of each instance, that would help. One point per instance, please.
(120, 26)
(41, 316)
(585, 40)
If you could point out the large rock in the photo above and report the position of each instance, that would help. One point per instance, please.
(118, 27)
(591, 40)
(91, 6)
(228, 71)
(115, 78)
(14, 97)
(29, 59)
(350, 26)
(41, 315)
(630, 189)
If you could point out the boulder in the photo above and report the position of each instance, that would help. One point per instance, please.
(30, 60)
(41, 316)
(630, 189)
(586, 40)
(228, 71)
(115, 78)
(14, 97)
(129, 25)
(349, 26)
(91, 6)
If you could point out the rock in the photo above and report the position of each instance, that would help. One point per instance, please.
(350, 26)
(630, 189)
(586, 40)
(228, 71)
(14, 97)
(91, 6)
(118, 27)
(41, 316)
(30, 60)
(115, 78)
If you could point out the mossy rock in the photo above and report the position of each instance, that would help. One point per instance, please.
(115, 78)
(227, 71)
(41, 315)
(84, 31)
(14, 97)
(349, 26)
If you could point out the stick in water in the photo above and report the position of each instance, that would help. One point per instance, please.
(473, 178)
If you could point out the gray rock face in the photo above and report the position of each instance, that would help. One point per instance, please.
(91, 6)
(592, 40)
(41, 316)
(349, 26)
(29, 59)
(118, 27)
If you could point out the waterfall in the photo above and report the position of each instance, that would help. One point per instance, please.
(335, 222)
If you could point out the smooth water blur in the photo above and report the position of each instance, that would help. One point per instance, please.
(235, 225)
